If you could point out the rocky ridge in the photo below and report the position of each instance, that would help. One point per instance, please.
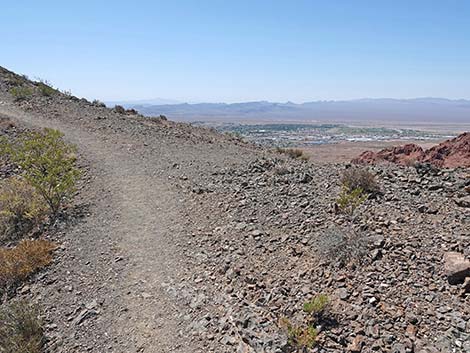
(448, 154)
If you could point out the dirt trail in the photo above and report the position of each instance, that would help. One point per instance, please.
(136, 210)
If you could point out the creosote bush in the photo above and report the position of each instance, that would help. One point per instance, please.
(360, 178)
(119, 109)
(19, 262)
(348, 200)
(292, 152)
(21, 329)
(21, 207)
(48, 164)
(46, 89)
(21, 92)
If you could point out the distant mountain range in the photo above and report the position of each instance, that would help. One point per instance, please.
(433, 110)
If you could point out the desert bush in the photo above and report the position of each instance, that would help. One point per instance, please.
(21, 92)
(48, 164)
(317, 305)
(19, 262)
(360, 178)
(349, 200)
(119, 109)
(21, 207)
(131, 111)
(21, 329)
(340, 246)
(304, 335)
(299, 336)
(292, 152)
(98, 103)
(46, 89)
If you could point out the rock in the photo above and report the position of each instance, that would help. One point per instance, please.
(356, 345)
(465, 287)
(463, 201)
(456, 267)
(342, 293)
(83, 315)
(448, 154)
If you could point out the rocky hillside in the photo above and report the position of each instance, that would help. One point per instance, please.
(448, 154)
(192, 241)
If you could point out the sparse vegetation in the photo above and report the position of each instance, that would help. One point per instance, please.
(349, 200)
(48, 164)
(119, 109)
(98, 103)
(299, 336)
(341, 246)
(21, 92)
(305, 335)
(360, 178)
(46, 89)
(21, 207)
(317, 305)
(21, 329)
(293, 153)
(19, 262)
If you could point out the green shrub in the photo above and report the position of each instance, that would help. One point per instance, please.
(119, 109)
(317, 305)
(21, 329)
(302, 336)
(360, 178)
(21, 207)
(48, 164)
(349, 200)
(21, 92)
(46, 89)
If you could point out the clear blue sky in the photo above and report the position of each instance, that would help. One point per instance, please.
(241, 50)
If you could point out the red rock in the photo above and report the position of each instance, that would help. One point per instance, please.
(448, 154)
(403, 155)
(451, 153)
(456, 267)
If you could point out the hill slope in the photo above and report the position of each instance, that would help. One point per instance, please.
(196, 242)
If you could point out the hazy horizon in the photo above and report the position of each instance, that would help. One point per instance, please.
(214, 51)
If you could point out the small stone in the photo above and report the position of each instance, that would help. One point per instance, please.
(356, 345)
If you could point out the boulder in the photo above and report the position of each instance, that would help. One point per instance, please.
(456, 267)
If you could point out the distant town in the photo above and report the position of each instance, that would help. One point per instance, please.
(304, 135)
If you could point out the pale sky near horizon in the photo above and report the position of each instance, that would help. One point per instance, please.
(229, 51)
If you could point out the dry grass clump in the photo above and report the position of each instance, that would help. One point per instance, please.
(360, 178)
(341, 247)
(21, 329)
(293, 153)
(27, 257)
(21, 207)
(303, 336)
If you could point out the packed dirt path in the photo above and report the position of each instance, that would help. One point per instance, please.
(125, 253)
